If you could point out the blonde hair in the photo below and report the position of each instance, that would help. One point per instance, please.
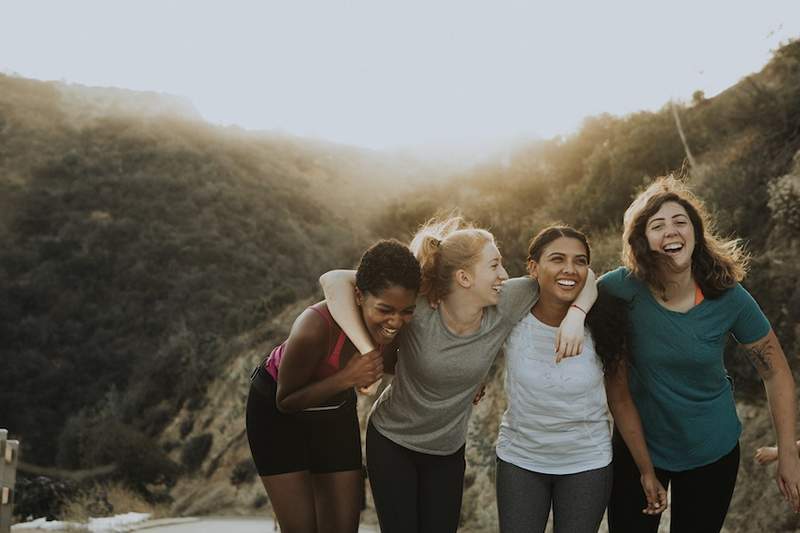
(443, 247)
(717, 264)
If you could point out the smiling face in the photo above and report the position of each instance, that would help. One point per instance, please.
(670, 232)
(561, 269)
(487, 275)
(386, 312)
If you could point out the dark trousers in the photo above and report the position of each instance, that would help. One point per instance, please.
(413, 491)
(524, 499)
(700, 496)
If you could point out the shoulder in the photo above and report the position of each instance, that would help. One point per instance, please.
(619, 275)
(736, 297)
(524, 283)
(519, 288)
(517, 295)
(312, 327)
(619, 282)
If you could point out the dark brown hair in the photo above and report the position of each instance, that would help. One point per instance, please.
(717, 264)
(551, 233)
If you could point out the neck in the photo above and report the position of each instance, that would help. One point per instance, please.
(677, 284)
(550, 311)
(461, 315)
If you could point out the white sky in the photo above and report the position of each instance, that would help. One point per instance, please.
(388, 74)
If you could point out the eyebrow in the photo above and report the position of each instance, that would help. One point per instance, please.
(551, 254)
(661, 219)
(381, 304)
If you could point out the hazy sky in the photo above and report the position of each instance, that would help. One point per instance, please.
(387, 74)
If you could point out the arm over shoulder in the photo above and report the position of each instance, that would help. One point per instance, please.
(619, 283)
(517, 297)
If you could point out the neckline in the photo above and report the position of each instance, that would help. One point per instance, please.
(661, 306)
(540, 323)
(455, 335)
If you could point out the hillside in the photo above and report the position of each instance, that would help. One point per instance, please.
(148, 259)
(746, 143)
(135, 239)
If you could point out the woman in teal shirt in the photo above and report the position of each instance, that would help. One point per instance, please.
(682, 285)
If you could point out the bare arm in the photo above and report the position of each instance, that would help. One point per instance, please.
(629, 425)
(768, 358)
(569, 338)
(339, 288)
(306, 347)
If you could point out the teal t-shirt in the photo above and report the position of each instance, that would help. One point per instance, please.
(677, 377)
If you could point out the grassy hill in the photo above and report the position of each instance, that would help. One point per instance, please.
(135, 239)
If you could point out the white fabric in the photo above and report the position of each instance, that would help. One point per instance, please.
(557, 421)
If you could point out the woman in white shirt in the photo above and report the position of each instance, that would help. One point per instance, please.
(554, 446)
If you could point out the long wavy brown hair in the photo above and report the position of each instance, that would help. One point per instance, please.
(717, 264)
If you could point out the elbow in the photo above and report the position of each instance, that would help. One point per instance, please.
(325, 279)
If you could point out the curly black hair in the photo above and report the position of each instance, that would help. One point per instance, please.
(609, 324)
(387, 263)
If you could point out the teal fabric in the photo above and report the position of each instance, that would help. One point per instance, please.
(678, 379)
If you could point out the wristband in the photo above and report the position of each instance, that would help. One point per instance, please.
(579, 308)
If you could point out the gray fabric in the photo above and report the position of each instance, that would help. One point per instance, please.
(524, 499)
(427, 406)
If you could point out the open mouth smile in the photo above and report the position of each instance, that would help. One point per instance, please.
(672, 248)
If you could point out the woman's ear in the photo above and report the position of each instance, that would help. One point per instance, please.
(359, 296)
(463, 278)
(533, 268)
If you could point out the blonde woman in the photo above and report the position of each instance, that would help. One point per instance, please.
(417, 430)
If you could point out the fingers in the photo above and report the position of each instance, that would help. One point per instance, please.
(370, 368)
(656, 502)
(791, 493)
(766, 455)
(655, 494)
(369, 390)
(568, 349)
(559, 352)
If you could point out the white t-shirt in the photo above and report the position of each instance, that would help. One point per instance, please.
(557, 421)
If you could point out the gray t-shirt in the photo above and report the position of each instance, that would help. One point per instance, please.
(427, 406)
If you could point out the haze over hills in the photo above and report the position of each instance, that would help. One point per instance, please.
(147, 259)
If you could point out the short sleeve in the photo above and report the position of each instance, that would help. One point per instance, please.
(517, 297)
(751, 324)
(618, 283)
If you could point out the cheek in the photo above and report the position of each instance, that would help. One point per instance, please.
(653, 241)
(371, 317)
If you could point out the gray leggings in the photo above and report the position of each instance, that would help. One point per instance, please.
(524, 498)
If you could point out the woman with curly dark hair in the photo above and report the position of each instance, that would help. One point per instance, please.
(301, 410)
(554, 446)
(682, 285)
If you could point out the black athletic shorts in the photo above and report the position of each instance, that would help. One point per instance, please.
(320, 441)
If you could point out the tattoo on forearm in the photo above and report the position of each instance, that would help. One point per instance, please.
(760, 356)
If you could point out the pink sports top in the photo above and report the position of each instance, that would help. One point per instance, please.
(329, 365)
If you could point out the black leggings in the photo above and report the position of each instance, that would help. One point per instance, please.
(413, 491)
(700, 496)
